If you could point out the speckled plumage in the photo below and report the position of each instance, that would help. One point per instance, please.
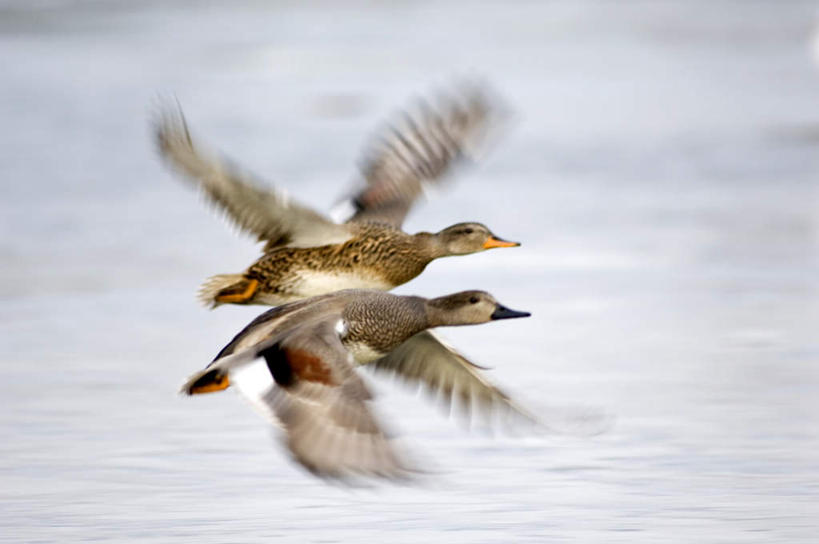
(306, 254)
(378, 256)
(380, 321)
(383, 322)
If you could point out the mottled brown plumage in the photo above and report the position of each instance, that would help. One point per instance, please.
(375, 250)
(306, 254)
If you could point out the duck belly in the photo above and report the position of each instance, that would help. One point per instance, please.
(315, 282)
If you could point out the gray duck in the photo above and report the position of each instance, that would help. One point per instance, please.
(307, 254)
(295, 363)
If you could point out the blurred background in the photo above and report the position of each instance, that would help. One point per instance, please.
(662, 176)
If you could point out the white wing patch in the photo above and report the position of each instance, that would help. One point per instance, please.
(341, 328)
(253, 381)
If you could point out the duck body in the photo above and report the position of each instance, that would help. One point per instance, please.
(377, 256)
(296, 364)
(370, 323)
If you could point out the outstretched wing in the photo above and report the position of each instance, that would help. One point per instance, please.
(425, 360)
(268, 214)
(419, 149)
(305, 382)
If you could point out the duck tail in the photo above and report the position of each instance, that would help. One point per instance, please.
(227, 289)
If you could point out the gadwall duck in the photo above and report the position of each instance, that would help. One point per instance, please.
(307, 254)
(295, 363)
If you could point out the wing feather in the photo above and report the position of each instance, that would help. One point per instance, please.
(268, 214)
(420, 148)
(426, 360)
(319, 400)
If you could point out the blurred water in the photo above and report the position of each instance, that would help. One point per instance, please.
(662, 176)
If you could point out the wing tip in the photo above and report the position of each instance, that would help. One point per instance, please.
(170, 126)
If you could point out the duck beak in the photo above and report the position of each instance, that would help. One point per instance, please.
(493, 241)
(502, 312)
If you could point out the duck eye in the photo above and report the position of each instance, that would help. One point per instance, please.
(473, 300)
(468, 231)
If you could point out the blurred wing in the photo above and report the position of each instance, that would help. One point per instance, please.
(271, 326)
(419, 149)
(268, 214)
(425, 360)
(306, 383)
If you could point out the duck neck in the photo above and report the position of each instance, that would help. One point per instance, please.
(430, 245)
(435, 316)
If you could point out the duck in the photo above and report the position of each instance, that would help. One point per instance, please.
(296, 364)
(306, 253)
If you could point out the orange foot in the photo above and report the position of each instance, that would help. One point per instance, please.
(238, 293)
(209, 382)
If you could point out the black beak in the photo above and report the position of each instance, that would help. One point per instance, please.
(502, 312)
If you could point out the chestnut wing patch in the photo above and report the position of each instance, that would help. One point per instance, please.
(323, 405)
(289, 365)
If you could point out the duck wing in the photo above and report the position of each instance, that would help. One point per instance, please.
(419, 149)
(304, 381)
(425, 360)
(270, 326)
(268, 214)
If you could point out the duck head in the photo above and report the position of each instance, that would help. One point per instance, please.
(465, 238)
(468, 308)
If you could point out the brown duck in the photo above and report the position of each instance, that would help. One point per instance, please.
(306, 254)
(295, 363)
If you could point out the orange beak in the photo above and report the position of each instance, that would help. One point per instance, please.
(498, 242)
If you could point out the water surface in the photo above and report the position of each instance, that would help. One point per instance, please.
(661, 174)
